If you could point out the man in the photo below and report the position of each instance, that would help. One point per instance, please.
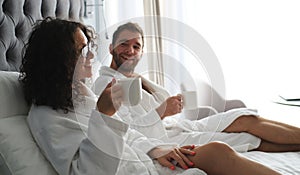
(242, 129)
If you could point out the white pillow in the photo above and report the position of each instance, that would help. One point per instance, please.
(19, 154)
(18, 149)
(12, 100)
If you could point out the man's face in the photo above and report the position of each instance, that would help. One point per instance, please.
(127, 51)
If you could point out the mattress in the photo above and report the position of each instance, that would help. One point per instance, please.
(287, 163)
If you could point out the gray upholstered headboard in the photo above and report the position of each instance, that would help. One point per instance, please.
(17, 18)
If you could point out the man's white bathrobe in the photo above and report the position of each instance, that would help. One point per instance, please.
(86, 141)
(144, 118)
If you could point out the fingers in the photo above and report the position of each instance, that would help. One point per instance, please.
(188, 151)
(180, 158)
(177, 156)
(188, 147)
(175, 103)
(179, 101)
(116, 94)
(111, 98)
(180, 98)
(165, 162)
(172, 156)
(113, 82)
(184, 162)
(172, 106)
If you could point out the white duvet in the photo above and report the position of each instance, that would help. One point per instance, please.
(287, 163)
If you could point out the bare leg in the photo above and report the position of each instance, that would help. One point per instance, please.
(271, 131)
(219, 159)
(274, 147)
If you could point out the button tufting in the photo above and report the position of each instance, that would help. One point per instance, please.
(17, 18)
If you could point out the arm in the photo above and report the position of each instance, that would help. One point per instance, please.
(143, 121)
(140, 117)
(71, 147)
(165, 153)
(171, 106)
(110, 99)
(174, 157)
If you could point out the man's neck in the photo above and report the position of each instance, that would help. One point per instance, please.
(125, 73)
(132, 74)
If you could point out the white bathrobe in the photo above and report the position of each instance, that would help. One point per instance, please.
(144, 118)
(88, 142)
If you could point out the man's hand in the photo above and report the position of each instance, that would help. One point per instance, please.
(111, 98)
(173, 105)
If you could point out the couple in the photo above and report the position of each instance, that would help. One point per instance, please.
(77, 131)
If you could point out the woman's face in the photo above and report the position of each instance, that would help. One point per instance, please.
(84, 63)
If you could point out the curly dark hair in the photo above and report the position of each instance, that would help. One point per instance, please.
(49, 60)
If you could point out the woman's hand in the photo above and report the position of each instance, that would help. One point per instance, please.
(111, 98)
(172, 157)
(173, 105)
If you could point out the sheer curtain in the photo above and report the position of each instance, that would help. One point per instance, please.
(154, 41)
(189, 61)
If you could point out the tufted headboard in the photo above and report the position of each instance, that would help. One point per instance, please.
(17, 18)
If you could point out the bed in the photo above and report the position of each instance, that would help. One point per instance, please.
(19, 153)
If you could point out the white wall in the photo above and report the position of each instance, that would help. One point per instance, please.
(257, 43)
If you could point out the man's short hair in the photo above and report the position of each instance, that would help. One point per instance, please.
(133, 27)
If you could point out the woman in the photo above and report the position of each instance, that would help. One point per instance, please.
(77, 139)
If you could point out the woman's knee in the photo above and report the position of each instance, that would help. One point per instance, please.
(247, 118)
(211, 155)
(220, 148)
(216, 150)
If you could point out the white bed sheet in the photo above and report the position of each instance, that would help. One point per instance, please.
(287, 163)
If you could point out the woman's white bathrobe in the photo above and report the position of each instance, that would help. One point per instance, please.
(144, 118)
(89, 142)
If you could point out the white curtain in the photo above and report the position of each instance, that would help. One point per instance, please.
(189, 62)
(154, 41)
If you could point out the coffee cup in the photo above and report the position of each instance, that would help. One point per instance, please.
(190, 100)
(132, 90)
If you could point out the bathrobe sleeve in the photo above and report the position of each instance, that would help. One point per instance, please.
(73, 148)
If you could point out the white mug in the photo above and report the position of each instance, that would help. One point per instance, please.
(190, 100)
(132, 90)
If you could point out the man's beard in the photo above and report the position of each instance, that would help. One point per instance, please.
(124, 66)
